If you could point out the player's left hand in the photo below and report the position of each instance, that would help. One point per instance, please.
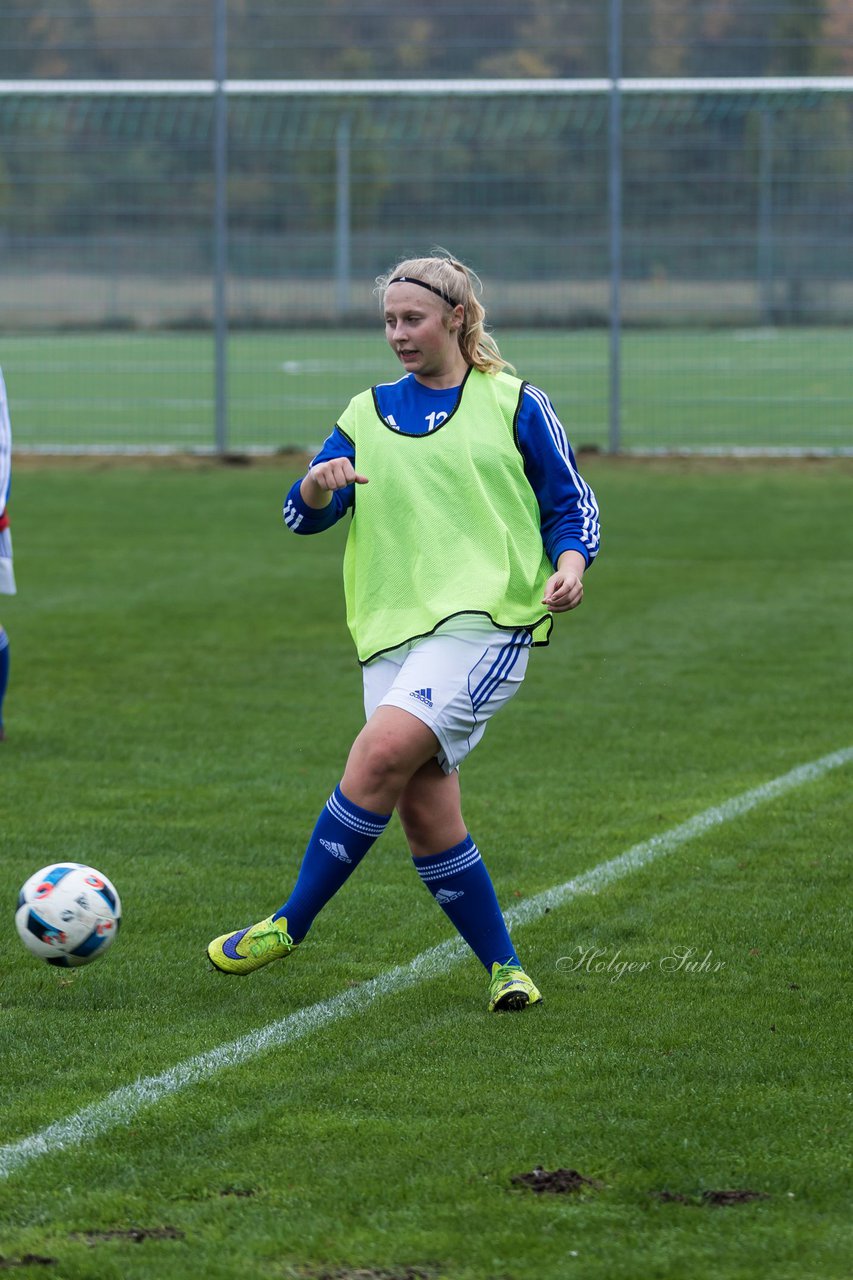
(563, 591)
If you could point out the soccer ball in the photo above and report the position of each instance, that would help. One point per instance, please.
(68, 914)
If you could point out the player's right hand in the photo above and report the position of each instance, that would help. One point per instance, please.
(334, 474)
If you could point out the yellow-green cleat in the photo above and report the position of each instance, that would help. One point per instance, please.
(510, 989)
(246, 950)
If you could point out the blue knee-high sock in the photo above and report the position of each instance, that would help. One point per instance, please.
(4, 669)
(462, 887)
(342, 836)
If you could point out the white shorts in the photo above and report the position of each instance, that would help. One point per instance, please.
(7, 572)
(454, 681)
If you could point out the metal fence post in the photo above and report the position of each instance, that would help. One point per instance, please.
(342, 216)
(615, 226)
(220, 224)
(765, 216)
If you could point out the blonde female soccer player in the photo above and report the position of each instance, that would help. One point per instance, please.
(7, 574)
(471, 528)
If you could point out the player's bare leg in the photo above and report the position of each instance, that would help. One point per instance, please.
(388, 752)
(430, 810)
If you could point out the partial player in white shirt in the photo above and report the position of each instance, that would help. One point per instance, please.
(7, 573)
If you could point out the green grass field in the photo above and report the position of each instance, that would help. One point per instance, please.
(183, 696)
(682, 389)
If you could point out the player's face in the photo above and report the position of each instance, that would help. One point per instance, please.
(423, 332)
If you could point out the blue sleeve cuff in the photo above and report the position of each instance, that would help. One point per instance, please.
(568, 544)
(300, 518)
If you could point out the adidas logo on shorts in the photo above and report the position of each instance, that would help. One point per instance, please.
(423, 695)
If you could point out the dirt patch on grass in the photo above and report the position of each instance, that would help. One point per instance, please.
(671, 1197)
(136, 1234)
(557, 1182)
(364, 1273)
(742, 1195)
(36, 460)
(27, 1260)
(290, 458)
(739, 1196)
(700, 463)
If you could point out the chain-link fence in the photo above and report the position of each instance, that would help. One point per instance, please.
(190, 264)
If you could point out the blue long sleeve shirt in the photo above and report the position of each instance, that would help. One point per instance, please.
(567, 505)
(5, 454)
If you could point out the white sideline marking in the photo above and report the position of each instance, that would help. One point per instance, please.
(124, 1103)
